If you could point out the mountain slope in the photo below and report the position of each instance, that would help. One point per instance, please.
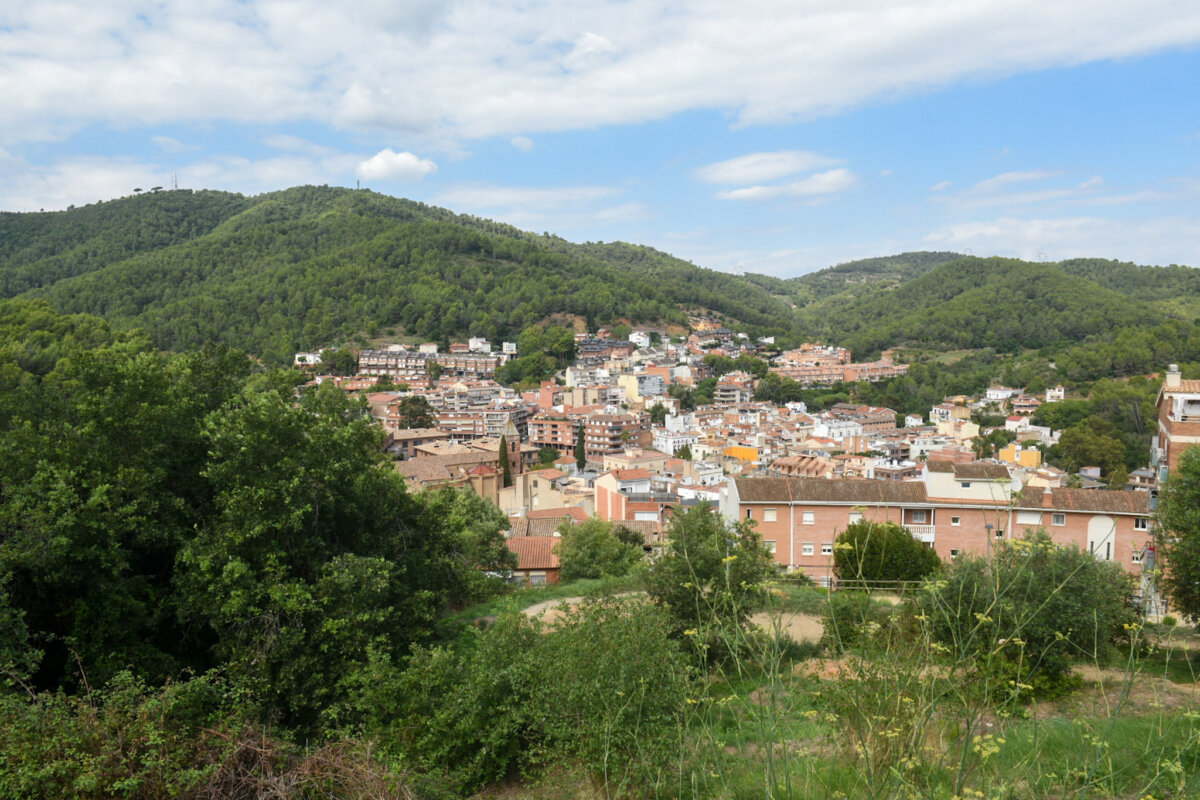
(309, 266)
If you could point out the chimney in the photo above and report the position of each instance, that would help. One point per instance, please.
(1173, 377)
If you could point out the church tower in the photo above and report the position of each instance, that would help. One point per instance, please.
(512, 441)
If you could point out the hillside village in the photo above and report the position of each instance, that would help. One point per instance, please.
(623, 433)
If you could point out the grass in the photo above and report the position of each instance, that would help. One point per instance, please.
(522, 599)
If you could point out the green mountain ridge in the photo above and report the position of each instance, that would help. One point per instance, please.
(312, 266)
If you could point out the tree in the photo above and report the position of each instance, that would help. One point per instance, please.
(685, 452)
(710, 580)
(882, 552)
(547, 456)
(415, 412)
(340, 361)
(1094, 442)
(434, 369)
(580, 450)
(505, 469)
(593, 550)
(1179, 525)
(658, 414)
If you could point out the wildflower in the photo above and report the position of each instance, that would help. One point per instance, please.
(727, 559)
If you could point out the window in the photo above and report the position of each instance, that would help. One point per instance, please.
(1058, 519)
(855, 516)
(806, 549)
(955, 521)
(1137, 556)
(827, 548)
(768, 515)
(999, 533)
(748, 514)
(920, 516)
(1141, 524)
(965, 484)
(809, 518)
(954, 552)
(770, 543)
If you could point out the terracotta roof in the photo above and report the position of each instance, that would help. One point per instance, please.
(647, 528)
(766, 490)
(1098, 500)
(574, 512)
(978, 471)
(632, 474)
(534, 552)
(542, 526)
(938, 465)
(1184, 386)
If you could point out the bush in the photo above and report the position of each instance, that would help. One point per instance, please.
(710, 580)
(851, 619)
(596, 550)
(1033, 611)
(882, 553)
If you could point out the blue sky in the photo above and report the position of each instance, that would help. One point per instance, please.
(764, 136)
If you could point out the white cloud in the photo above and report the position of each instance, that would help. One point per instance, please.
(940, 187)
(757, 167)
(522, 143)
(1158, 240)
(1008, 178)
(822, 183)
(169, 144)
(478, 68)
(388, 165)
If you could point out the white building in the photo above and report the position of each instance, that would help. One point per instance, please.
(640, 338)
(509, 348)
(478, 344)
(671, 442)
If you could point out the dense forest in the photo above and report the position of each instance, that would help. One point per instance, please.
(312, 266)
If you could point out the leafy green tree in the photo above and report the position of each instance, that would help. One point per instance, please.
(415, 412)
(593, 550)
(711, 578)
(1094, 442)
(547, 456)
(658, 414)
(340, 362)
(684, 452)
(434, 369)
(882, 552)
(1031, 611)
(1179, 523)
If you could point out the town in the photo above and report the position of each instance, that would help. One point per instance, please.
(621, 434)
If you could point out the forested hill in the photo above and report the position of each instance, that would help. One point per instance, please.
(311, 266)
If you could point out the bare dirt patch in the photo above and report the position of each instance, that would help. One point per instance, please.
(800, 627)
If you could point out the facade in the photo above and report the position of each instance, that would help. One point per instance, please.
(958, 509)
(1178, 418)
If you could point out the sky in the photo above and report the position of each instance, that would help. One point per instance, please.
(764, 136)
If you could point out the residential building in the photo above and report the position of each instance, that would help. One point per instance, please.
(965, 508)
(1178, 418)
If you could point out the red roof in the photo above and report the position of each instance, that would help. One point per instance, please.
(632, 474)
(534, 552)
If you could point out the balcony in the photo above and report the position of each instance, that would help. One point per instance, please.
(922, 532)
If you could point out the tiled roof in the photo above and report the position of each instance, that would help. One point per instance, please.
(766, 490)
(575, 512)
(534, 552)
(632, 474)
(542, 526)
(978, 471)
(647, 528)
(1099, 501)
(1185, 386)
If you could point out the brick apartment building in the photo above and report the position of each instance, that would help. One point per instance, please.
(957, 509)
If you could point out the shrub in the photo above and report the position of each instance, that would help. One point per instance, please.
(1033, 610)
(710, 580)
(882, 553)
(595, 550)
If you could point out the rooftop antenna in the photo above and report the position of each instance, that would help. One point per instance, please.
(174, 180)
